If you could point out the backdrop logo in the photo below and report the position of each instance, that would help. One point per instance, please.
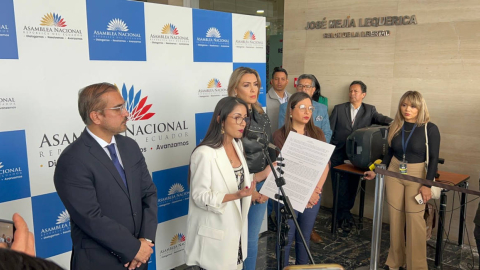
(8, 35)
(177, 244)
(135, 105)
(214, 89)
(52, 26)
(117, 25)
(249, 41)
(214, 83)
(52, 225)
(178, 238)
(7, 103)
(52, 19)
(62, 226)
(173, 192)
(14, 176)
(170, 29)
(176, 188)
(117, 31)
(52, 145)
(213, 38)
(170, 35)
(213, 32)
(157, 136)
(64, 217)
(249, 35)
(10, 173)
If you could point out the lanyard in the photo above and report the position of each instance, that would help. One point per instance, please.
(405, 143)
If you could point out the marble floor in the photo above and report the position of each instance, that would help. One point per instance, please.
(353, 251)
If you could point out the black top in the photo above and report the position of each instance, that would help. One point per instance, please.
(254, 152)
(416, 147)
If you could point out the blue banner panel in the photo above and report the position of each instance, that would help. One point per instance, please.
(116, 30)
(261, 68)
(212, 36)
(14, 178)
(52, 225)
(202, 121)
(173, 192)
(8, 34)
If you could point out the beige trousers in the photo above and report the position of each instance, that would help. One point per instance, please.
(404, 210)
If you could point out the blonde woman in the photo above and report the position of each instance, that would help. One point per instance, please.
(407, 154)
(245, 84)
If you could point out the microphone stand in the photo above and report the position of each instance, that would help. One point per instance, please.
(286, 212)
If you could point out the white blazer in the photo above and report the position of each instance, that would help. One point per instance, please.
(214, 229)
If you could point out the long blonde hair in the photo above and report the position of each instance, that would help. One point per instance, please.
(235, 81)
(416, 100)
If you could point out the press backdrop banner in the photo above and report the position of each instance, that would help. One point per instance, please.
(171, 64)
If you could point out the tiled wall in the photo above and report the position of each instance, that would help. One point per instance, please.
(440, 57)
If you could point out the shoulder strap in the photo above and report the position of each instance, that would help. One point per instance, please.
(426, 144)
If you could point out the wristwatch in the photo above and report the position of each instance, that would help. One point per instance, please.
(148, 240)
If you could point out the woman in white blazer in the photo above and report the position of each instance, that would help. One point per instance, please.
(220, 192)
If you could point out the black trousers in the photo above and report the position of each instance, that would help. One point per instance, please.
(347, 188)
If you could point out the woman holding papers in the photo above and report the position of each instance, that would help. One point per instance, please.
(407, 154)
(245, 84)
(299, 119)
(220, 192)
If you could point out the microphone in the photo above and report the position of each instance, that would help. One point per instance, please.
(372, 166)
(262, 141)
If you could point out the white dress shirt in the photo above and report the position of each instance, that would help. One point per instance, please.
(353, 112)
(104, 145)
(284, 99)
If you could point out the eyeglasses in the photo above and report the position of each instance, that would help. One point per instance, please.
(302, 108)
(120, 108)
(239, 119)
(301, 86)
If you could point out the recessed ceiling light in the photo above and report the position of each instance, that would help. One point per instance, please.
(260, 11)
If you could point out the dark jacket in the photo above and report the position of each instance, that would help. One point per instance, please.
(259, 125)
(107, 219)
(341, 125)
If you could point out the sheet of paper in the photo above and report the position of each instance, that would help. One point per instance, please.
(305, 161)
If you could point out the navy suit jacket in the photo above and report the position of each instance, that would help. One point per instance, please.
(106, 218)
(341, 124)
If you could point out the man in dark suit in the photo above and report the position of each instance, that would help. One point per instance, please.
(344, 120)
(104, 183)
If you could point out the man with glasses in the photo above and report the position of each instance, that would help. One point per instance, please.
(344, 120)
(306, 83)
(104, 183)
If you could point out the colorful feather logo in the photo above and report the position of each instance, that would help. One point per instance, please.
(249, 35)
(53, 19)
(135, 105)
(169, 29)
(214, 83)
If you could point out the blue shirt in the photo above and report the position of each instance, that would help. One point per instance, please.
(320, 118)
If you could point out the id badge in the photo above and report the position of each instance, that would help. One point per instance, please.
(403, 167)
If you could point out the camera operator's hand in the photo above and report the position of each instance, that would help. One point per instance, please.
(23, 238)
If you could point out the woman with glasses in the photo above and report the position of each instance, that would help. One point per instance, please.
(308, 84)
(245, 84)
(220, 192)
(299, 120)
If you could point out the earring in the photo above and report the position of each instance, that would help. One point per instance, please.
(290, 116)
(222, 131)
(235, 94)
